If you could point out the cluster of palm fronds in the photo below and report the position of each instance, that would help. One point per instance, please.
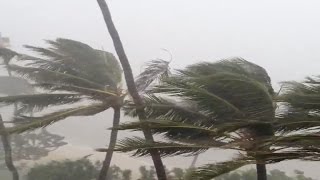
(69, 74)
(229, 104)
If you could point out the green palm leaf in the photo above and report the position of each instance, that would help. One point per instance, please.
(142, 148)
(31, 123)
(211, 171)
(37, 102)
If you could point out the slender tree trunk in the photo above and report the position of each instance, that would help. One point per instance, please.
(194, 161)
(261, 171)
(112, 143)
(161, 174)
(8, 151)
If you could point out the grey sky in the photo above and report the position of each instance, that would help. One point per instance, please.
(281, 35)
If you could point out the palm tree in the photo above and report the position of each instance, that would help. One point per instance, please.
(229, 105)
(70, 72)
(160, 169)
(8, 152)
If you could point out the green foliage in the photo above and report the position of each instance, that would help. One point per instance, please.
(147, 174)
(229, 104)
(272, 175)
(33, 145)
(74, 68)
(81, 169)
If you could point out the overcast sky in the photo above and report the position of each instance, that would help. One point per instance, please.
(281, 35)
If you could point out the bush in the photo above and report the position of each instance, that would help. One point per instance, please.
(81, 169)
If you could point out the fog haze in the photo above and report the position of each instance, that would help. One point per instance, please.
(281, 36)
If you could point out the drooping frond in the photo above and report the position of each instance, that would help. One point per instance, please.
(155, 70)
(48, 76)
(90, 92)
(163, 108)
(79, 59)
(296, 120)
(211, 171)
(235, 65)
(31, 123)
(36, 102)
(303, 95)
(191, 133)
(142, 148)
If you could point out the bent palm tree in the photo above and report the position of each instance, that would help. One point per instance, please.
(70, 72)
(228, 104)
(157, 161)
(82, 73)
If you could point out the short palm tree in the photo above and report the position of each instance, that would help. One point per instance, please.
(229, 104)
(70, 73)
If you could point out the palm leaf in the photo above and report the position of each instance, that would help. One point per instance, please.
(142, 148)
(31, 123)
(36, 102)
(48, 76)
(211, 171)
(155, 70)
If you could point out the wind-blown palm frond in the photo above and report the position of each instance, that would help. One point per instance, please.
(92, 93)
(31, 123)
(48, 76)
(142, 148)
(211, 171)
(80, 60)
(155, 70)
(39, 101)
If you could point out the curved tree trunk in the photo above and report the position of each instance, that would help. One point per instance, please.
(194, 161)
(8, 152)
(161, 174)
(261, 171)
(112, 143)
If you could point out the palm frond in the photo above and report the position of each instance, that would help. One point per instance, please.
(166, 149)
(225, 93)
(96, 65)
(163, 108)
(37, 102)
(48, 76)
(31, 123)
(155, 70)
(211, 171)
(92, 93)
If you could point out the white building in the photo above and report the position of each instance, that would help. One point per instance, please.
(4, 42)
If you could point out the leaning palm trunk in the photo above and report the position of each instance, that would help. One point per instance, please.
(112, 143)
(131, 86)
(8, 152)
(194, 161)
(261, 171)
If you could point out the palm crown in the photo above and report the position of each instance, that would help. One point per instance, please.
(228, 104)
(68, 72)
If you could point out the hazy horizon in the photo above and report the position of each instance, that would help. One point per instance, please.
(281, 36)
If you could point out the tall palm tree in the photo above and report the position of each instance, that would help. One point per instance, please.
(71, 73)
(229, 105)
(158, 164)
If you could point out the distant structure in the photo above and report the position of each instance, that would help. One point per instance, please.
(4, 42)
